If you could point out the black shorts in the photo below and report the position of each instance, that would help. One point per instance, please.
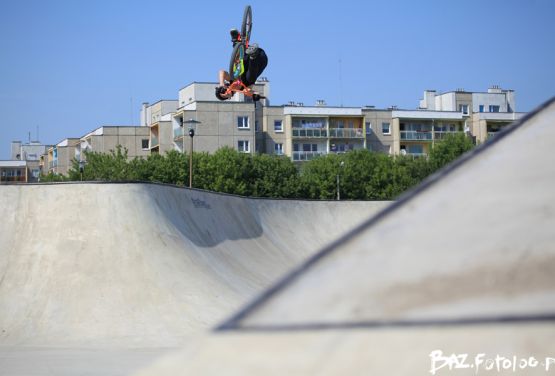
(254, 67)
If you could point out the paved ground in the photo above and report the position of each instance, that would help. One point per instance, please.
(465, 264)
(114, 274)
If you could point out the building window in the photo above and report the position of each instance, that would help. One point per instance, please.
(278, 148)
(368, 128)
(493, 108)
(310, 147)
(144, 143)
(278, 126)
(463, 108)
(243, 146)
(386, 128)
(243, 122)
(481, 108)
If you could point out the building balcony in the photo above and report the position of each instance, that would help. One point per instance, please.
(310, 133)
(346, 133)
(306, 155)
(13, 179)
(178, 134)
(416, 135)
(440, 135)
(154, 141)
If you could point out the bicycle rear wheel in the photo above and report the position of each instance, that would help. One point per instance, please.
(236, 65)
(246, 26)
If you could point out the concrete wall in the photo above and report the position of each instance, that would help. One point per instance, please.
(159, 109)
(375, 139)
(128, 137)
(15, 150)
(446, 102)
(487, 99)
(65, 154)
(272, 114)
(463, 99)
(201, 92)
(218, 126)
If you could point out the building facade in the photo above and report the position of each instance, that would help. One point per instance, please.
(232, 123)
(293, 130)
(158, 117)
(60, 156)
(31, 153)
(107, 138)
(14, 171)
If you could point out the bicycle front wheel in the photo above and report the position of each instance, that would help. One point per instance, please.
(246, 27)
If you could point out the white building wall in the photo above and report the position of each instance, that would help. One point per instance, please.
(445, 102)
(489, 99)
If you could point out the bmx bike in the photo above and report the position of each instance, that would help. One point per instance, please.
(236, 63)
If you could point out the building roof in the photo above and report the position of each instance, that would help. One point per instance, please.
(13, 163)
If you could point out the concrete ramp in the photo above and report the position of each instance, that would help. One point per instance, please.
(464, 265)
(145, 265)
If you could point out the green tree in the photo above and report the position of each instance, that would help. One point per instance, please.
(273, 176)
(226, 171)
(318, 177)
(449, 149)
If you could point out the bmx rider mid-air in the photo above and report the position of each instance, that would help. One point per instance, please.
(247, 64)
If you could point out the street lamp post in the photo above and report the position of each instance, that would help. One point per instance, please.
(82, 168)
(338, 172)
(192, 125)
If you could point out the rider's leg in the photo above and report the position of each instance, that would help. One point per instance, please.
(223, 76)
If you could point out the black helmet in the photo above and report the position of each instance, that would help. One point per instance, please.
(219, 91)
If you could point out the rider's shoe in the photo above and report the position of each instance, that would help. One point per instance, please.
(234, 35)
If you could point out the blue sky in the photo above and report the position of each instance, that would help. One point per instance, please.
(69, 67)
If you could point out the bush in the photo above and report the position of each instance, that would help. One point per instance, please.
(363, 175)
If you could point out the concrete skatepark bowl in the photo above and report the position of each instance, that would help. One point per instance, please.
(462, 266)
(102, 278)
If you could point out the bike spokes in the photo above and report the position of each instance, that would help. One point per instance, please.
(246, 26)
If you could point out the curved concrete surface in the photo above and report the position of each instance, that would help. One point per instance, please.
(145, 265)
(464, 264)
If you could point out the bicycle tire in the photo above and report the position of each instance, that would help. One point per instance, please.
(246, 26)
(236, 67)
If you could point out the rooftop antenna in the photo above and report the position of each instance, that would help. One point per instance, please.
(38, 134)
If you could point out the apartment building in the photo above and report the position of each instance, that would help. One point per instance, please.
(60, 156)
(232, 123)
(106, 138)
(303, 133)
(31, 153)
(293, 130)
(486, 112)
(158, 117)
(14, 171)
(415, 131)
